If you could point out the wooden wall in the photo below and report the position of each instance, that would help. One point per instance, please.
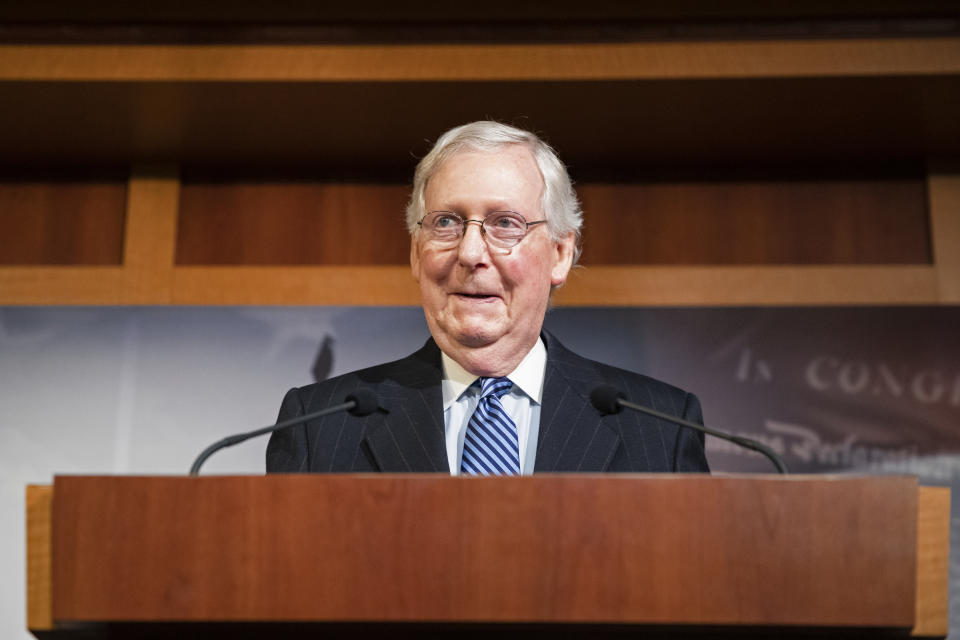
(156, 240)
(66, 222)
(679, 223)
(728, 171)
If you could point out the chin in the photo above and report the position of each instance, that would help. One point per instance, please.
(474, 329)
(476, 338)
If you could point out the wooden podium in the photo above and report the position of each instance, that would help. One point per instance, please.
(431, 555)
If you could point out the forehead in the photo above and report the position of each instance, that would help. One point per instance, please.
(505, 175)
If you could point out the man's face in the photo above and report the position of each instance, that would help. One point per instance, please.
(485, 305)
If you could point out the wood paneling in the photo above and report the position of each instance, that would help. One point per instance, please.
(627, 125)
(743, 286)
(761, 101)
(933, 562)
(61, 222)
(292, 224)
(933, 523)
(39, 500)
(347, 285)
(815, 550)
(232, 221)
(152, 217)
(945, 223)
(633, 111)
(589, 286)
(151, 232)
(732, 223)
(471, 62)
(71, 285)
(800, 222)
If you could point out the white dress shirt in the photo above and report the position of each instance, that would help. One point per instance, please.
(522, 404)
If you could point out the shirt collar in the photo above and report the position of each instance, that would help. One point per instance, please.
(528, 376)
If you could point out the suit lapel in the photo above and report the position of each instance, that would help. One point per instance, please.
(409, 433)
(572, 435)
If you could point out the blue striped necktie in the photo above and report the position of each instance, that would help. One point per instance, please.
(490, 446)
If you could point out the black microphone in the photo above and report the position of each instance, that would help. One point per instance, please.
(361, 402)
(607, 400)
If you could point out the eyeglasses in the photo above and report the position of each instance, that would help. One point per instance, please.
(503, 229)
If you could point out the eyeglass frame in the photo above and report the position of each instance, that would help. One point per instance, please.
(483, 229)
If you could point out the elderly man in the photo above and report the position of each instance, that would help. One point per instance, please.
(494, 225)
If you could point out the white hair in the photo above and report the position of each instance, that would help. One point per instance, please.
(559, 201)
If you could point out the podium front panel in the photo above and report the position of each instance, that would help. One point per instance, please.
(618, 549)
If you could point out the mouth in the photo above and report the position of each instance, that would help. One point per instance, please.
(479, 297)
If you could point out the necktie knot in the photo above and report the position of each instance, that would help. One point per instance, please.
(496, 387)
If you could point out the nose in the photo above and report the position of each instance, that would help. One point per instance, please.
(473, 246)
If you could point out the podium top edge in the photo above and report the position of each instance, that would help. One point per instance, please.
(658, 477)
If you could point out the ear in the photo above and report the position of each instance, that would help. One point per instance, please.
(415, 256)
(563, 260)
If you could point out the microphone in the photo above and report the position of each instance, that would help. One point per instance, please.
(608, 400)
(361, 402)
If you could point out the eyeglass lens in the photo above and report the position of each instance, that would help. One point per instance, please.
(503, 228)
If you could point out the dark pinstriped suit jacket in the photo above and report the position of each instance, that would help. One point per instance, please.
(407, 433)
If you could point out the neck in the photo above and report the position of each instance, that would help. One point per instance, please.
(489, 361)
